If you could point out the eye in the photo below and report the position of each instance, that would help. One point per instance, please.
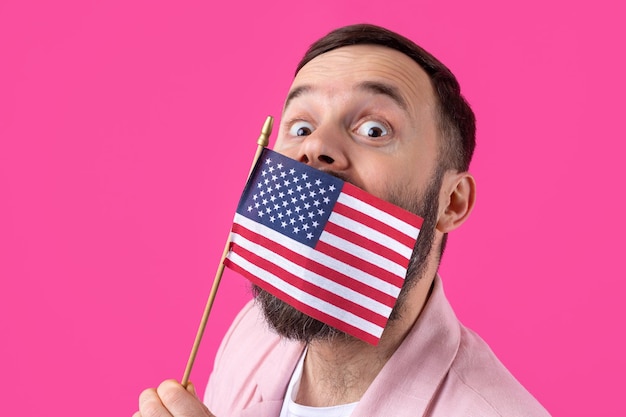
(301, 128)
(372, 129)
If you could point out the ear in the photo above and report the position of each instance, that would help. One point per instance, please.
(456, 201)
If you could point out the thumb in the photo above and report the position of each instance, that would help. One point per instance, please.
(192, 389)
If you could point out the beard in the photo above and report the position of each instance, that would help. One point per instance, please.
(292, 324)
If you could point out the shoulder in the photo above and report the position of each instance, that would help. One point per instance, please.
(481, 384)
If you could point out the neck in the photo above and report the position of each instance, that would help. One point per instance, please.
(339, 371)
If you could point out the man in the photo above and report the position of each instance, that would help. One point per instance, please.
(374, 109)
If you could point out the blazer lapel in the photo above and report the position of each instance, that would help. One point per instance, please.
(410, 379)
(272, 380)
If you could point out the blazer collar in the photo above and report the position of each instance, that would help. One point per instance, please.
(404, 387)
(410, 379)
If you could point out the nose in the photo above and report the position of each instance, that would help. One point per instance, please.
(324, 150)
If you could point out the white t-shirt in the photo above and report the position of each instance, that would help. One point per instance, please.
(292, 409)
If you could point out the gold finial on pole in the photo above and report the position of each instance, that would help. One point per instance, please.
(262, 142)
(266, 131)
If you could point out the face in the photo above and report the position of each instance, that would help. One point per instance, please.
(367, 115)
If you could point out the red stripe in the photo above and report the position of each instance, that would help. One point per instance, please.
(375, 224)
(309, 288)
(398, 212)
(368, 244)
(359, 263)
(316, 267)
(306, 309)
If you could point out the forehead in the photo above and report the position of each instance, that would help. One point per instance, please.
(346, 67)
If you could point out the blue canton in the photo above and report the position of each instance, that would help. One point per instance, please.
(290, 197)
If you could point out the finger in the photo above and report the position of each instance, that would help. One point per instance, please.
(179, 401)
(150, 405)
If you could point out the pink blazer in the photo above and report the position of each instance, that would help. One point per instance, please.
(441, 369)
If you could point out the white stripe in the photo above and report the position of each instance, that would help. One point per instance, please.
(316, 256)
(364, 254)
(388, 219)
(371, 234)
(309, 276)
(307, 298)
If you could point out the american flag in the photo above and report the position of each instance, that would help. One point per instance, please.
(326, 247)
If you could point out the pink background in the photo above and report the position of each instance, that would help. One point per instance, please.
(127, 129)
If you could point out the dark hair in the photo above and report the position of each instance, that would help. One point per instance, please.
(456, 120)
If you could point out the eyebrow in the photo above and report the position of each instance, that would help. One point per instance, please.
(385, 90)
(297, 92)
(374, 87)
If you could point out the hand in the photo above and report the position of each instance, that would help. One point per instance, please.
(171, 399)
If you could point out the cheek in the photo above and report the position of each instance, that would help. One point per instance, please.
(282, 147)
(375, 179)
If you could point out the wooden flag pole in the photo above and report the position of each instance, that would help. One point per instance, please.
(262, 142)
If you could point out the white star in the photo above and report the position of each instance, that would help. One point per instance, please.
(301, 218)
(298, 188)
(250, 208)
(279, 166)
(268, 161)
(331, 188)
(292, 171)
(305, 226)
(326, 200)
(307, 206)
(288, 212)
(308, 185)
(320, 212)
(318, 182)
(309, 236)
(264, 173)
(322, 191)
(315, 224)
(296, 230)
(316, 203)
(283, 224)
(297, 209)
(272, 219)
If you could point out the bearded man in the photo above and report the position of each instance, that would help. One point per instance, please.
(374, 109)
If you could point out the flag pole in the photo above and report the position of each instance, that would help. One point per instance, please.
(262, 142)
